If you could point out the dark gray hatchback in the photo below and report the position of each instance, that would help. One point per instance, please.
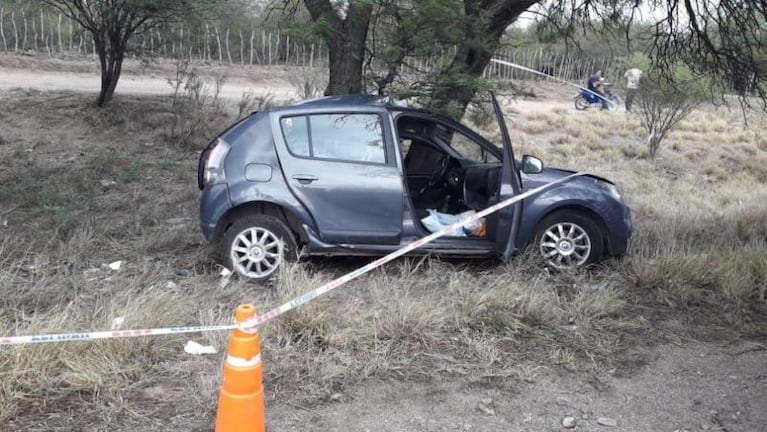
(363, 175)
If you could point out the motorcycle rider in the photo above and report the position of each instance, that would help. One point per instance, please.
(595, 84)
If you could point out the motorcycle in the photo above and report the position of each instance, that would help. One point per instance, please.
(588, 99)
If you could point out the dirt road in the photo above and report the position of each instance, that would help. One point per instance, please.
(260, 84)
(130, 84)
(692, 386)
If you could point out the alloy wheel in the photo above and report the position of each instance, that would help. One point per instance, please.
(565, 244)
(256, 252)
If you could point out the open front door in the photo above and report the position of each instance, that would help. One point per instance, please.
(508, 218)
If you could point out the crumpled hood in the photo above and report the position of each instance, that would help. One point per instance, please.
(548, 175)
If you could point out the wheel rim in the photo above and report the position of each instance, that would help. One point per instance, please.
(256, 252)
(565, 245)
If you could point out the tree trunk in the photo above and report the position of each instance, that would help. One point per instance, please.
(111, 56)
(346, 44)
(456, 85)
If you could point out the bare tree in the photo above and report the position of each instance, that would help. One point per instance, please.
(112, 24)
(666, 100)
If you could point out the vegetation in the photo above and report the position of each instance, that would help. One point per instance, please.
(96, 185)
(697, 255)
(665, 101)
(113, 23)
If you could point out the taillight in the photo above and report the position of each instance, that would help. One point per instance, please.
(213, 171)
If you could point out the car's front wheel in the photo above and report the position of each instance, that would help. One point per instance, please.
(569, 239)
(255, 246)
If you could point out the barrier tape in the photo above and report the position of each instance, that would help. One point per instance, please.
(527, 69)
(292, 304)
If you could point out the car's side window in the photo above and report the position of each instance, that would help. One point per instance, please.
(296, 133)
(346, 137)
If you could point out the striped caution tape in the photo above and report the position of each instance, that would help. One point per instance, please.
(527, 69)
(292, 304)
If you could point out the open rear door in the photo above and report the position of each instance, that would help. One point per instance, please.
(508, 218)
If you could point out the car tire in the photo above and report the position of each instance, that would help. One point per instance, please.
(581, 103)
(569, 238)
(255, 246)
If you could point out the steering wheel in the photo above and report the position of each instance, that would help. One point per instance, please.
(437, 176)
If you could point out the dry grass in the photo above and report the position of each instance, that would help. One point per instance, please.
(700, 237)
(95, 186)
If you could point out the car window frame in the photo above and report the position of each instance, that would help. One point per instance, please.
(490, 147)
(300, 113)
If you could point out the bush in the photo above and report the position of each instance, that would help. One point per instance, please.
(666, 99)
(197, 109)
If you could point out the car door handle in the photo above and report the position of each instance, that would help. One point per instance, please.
(305, 178)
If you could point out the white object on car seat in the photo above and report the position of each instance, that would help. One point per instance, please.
(436, 221)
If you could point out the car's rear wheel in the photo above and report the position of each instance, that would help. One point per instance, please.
(255, 246)
(568, 239)
(581, 103)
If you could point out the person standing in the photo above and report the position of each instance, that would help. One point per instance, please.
(632, 85)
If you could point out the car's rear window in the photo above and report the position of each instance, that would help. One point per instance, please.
(344, 137)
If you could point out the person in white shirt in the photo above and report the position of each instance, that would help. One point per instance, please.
(632, 85)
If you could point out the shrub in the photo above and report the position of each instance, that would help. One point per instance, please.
(666, 100)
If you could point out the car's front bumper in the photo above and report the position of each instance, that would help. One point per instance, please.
(620, 233)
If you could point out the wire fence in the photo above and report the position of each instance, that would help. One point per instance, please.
(22, 31)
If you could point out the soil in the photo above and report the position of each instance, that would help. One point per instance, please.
(665, 379)
(691, 386)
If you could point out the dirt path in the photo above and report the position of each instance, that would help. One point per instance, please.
(131, 84)
(689, 387)
(157, 84)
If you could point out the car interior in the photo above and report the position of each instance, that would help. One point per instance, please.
(445, 170)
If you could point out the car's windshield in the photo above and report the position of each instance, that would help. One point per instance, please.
(467, 147)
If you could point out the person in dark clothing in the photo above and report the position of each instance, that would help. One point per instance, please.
(594, 84)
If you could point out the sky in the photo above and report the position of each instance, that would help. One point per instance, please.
(646, 13)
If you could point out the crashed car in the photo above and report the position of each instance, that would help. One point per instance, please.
(366, 175)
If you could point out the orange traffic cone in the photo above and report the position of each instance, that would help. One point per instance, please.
(241, 403)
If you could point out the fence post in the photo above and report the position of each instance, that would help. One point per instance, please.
(2, 30)
(311, 57)
(58, 29)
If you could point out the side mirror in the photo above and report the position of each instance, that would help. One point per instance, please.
(531, 165)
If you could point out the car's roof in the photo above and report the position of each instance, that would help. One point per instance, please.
(354, 100)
